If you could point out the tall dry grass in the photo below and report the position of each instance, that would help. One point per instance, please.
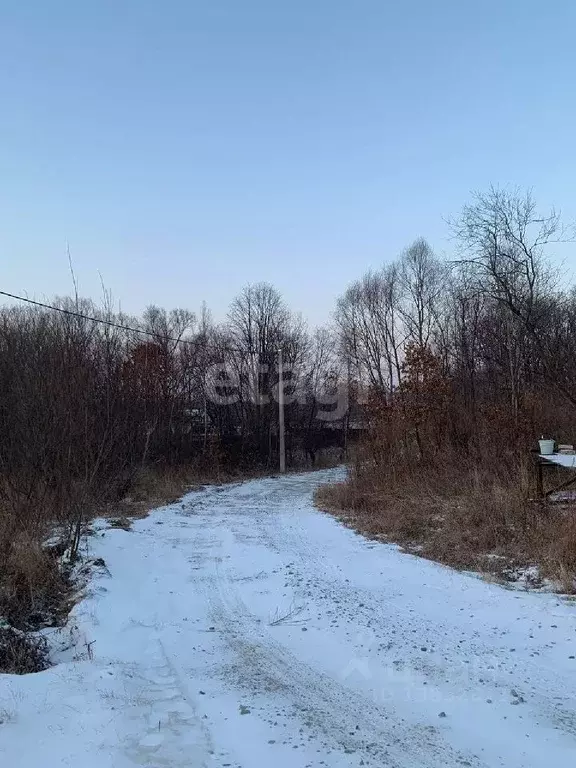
(460, 492)
(480, 519)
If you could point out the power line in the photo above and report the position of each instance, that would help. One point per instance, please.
(120, 326)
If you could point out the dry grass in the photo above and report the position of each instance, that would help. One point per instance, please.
(483, 520)
(34, 588)
(557, 546)
(33, 591)
(20, 653)
(157, 485)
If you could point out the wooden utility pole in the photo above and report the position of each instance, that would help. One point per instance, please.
(281, 436)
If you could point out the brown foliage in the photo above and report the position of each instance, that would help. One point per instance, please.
(449, 489)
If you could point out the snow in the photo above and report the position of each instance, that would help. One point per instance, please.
(242, 627)
(561, 459)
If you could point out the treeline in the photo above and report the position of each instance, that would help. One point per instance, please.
(464, 364)
(486, 341)
(83, 399)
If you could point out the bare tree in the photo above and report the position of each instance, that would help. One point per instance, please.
(259, 323)
(504, 242)
(423, 278)
(368, 321)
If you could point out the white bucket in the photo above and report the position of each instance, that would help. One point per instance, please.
(546, 447)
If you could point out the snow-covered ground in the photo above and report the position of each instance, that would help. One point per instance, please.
(242, 627)
(561, 459)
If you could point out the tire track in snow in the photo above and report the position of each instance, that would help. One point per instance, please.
(409, 603)
(329, 710)
(487, 663)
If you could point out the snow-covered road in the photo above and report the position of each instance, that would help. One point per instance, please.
(242, 627)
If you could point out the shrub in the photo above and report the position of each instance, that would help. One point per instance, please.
(21, 653)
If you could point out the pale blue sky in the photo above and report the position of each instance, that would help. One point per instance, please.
(187, 148)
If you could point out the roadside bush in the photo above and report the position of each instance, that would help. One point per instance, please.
(21, 653)
(33, 585)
